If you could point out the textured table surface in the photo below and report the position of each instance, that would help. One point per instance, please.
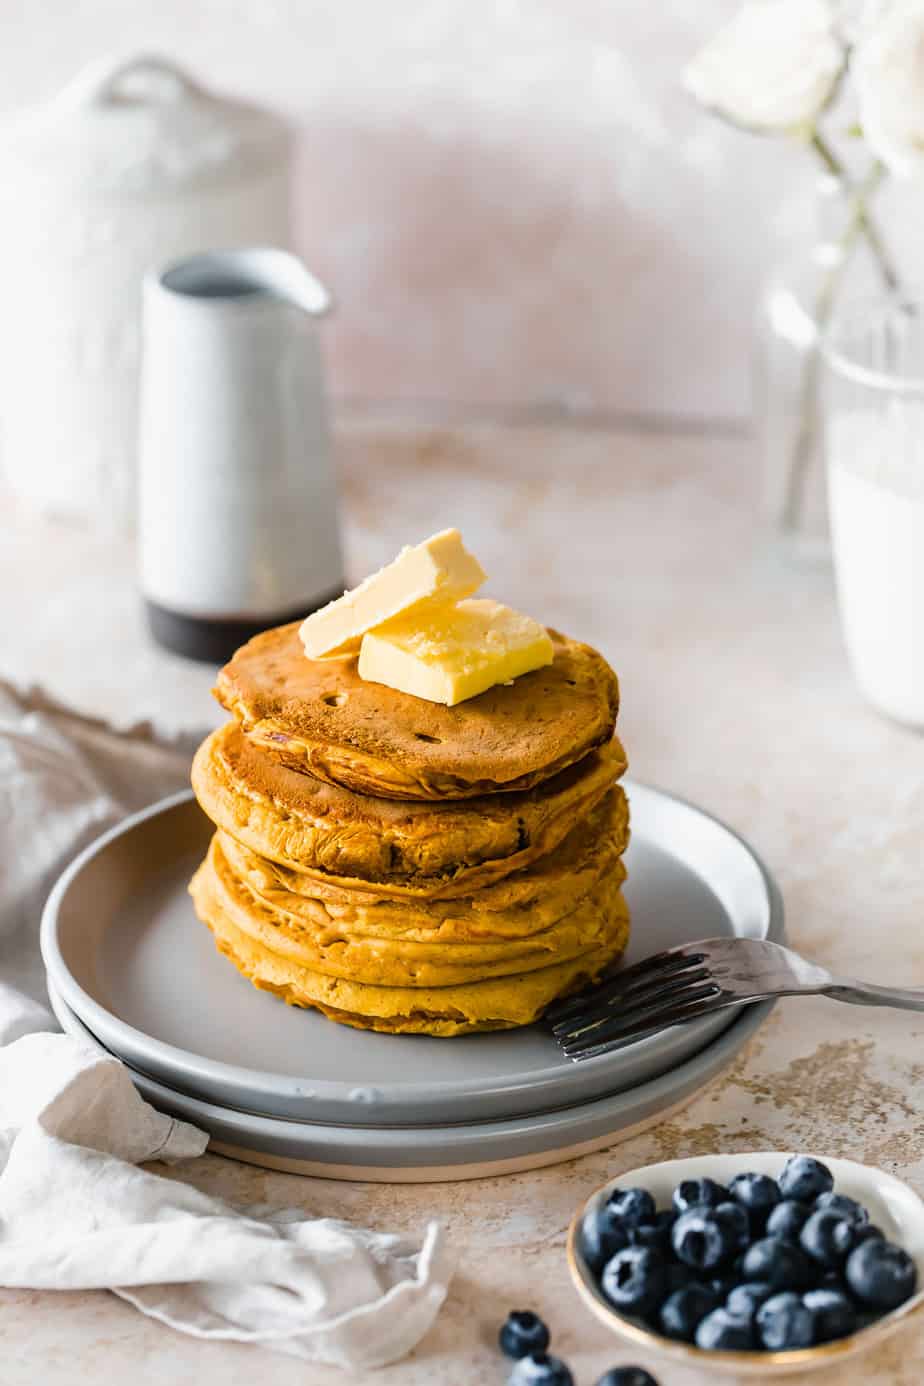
(735, 694)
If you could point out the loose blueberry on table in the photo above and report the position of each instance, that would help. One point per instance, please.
(540, 1369)
(765, 1264)
(524, 1336)
(627, 1376)
(523, 1332)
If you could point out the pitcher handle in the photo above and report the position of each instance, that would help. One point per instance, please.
(147, 78)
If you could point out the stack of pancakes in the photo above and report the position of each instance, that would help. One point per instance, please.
(405, 866)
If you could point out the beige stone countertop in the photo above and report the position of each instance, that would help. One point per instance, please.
(735, 694)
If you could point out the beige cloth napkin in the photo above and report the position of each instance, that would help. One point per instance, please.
(76, 1212)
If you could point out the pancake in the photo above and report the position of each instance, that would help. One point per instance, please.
(417, 849)
(528, 902)
(336, 952)
(495, 1004)
(319, 716)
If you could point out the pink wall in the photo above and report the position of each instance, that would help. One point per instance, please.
(514, 202)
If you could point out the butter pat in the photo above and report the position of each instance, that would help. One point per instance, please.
(439, 570)
(462, 650)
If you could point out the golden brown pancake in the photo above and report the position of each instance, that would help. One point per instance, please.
(418, 849)
(335, 951)
(319, 716)
(493, 1004)
(527, 902)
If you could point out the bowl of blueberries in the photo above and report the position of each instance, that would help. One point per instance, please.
(759, 1264)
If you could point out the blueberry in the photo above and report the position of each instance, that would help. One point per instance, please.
(881, 1275)
(602, 1234)
(745, 1300)
(691, 1193)
(803, 1179)
(787, 1219)
(736, 1219)
(777, 1262)
(832, 1312)
(703, 1240)
(635, 1280)
(657, 1233)
(678, 1275)
(627, 1376)
(607, 1229)
(847, 1207)
(722, 1332)
(632, 1206)
(758, 1193)
(784, 1323)
(539, 1369)
(863, 1234)
(827, 1237)
(682, 1312)
(523, 1333)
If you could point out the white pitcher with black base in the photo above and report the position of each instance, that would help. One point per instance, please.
(238, 522)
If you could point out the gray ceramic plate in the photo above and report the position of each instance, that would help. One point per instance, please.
(126, 953)
(422, 1154)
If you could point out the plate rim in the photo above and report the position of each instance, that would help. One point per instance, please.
(723, 1049)
(182, 1061)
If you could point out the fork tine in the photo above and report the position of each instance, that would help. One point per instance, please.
(659, 966)
(645, 1017)
(694, 1011)
(642, 996)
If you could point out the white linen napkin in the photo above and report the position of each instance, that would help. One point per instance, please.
(76, 1212)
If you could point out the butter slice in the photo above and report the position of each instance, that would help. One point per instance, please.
(462, 650)
(439, 570)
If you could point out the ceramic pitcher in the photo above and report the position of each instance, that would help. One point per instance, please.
(133, 164)
(238, 523)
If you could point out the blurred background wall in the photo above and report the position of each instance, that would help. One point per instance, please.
(514, 201)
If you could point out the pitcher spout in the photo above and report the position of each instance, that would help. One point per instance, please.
(248, 271)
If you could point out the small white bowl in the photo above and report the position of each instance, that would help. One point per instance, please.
(892, 1205)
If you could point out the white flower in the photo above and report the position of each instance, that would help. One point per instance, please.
(773, 67)
(855, 17)
(889, 67)
(858, 17)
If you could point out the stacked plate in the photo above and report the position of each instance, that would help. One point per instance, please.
(131, 971)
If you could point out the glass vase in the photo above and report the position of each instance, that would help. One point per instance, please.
(839, 256)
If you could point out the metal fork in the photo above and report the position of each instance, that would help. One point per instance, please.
(696, 980)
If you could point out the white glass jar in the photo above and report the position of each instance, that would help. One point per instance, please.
(131, 165)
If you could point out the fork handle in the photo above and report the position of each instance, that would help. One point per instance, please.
(864, 994)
